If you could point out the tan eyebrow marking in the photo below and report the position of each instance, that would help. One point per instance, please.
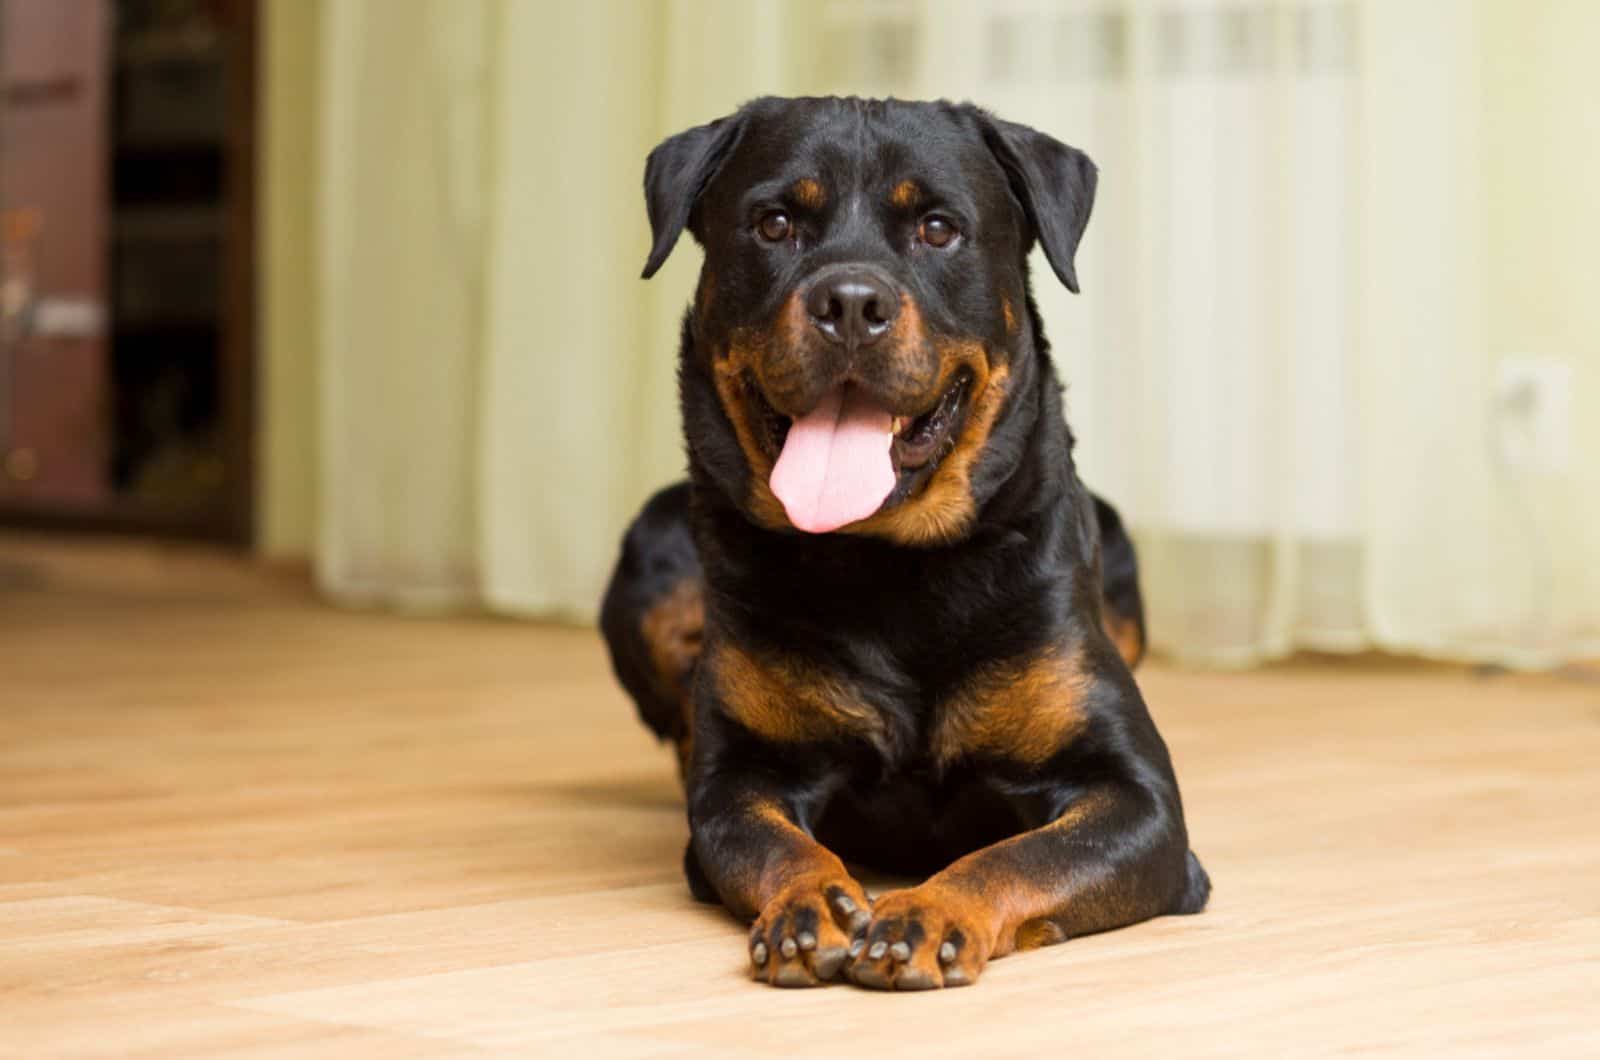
(905, 194)
(809, 193)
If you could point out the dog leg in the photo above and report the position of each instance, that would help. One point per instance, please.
(1122, 603)
(1113, 857)
(765, 866)
(653, 613)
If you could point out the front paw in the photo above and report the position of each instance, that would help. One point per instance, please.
(803, 936)
(923, 938)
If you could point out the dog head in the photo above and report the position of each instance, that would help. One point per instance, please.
(863, 313)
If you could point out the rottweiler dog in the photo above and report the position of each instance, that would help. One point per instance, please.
(883, 621)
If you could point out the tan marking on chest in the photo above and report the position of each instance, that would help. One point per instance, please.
(1025, 709)
(788, 700)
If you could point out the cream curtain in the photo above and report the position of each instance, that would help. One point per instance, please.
(496, 384)
(1330, 234)
(1319, 245)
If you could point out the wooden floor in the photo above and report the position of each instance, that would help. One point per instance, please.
(235, 822)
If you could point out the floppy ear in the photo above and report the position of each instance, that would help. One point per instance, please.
(1055, 184)
(675, 174)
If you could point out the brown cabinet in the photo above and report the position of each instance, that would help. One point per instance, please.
(54, 194)
(126, 264)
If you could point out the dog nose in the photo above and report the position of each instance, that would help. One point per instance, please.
(852, 306)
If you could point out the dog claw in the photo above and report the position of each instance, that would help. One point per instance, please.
(878, 949)
(827, 963)
(900, 951)
(856, 946)
(947, 953)
(798, 938)
(870, 976)
(792, 975)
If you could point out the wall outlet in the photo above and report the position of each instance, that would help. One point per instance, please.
(1533, 413)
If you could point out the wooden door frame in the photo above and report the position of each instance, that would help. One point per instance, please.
(238, 375)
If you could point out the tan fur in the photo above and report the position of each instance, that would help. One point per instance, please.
(810, 194)
(796, 864)
(786, 700)
(736, 370)
(1025, 710)
(1018, 910)
(1124, 633)
(944, 509)
(730, 381)
(672, 628)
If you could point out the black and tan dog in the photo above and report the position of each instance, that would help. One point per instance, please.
(883, 621)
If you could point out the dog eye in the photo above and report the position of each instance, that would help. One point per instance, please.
(937, 231)
(774, 226)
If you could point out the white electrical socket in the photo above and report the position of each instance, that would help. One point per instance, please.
(1533, 413)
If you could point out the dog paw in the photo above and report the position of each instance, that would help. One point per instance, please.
(921, 939)
(803, 936)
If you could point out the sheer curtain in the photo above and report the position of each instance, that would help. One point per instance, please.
(496, 384)
(1313, 273)
(1288, 366)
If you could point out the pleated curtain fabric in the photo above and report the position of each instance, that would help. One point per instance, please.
(1308, 265)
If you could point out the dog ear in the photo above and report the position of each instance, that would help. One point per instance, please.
(1054, 183)
(675, 174)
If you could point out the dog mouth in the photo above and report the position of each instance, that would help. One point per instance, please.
(918, 440)
(841, 461)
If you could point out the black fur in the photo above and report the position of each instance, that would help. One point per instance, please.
(1119, 571)
(657, 553)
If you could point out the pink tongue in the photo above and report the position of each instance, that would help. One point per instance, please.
(835, 466)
